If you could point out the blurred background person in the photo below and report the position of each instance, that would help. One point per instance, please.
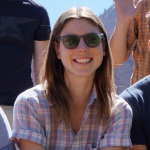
(131, 35)
(5, 133)
(24, 32)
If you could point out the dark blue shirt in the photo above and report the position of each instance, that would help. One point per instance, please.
(21, 22)
(138, 97)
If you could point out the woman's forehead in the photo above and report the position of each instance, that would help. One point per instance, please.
(79, 26)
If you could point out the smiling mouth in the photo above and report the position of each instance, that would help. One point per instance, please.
(83, 60)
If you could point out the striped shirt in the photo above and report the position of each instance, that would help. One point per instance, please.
(35, 120)
(137, 41)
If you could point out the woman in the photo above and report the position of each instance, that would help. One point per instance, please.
(75, 106)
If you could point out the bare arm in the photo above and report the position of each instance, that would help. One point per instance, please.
(113, 148)
(139, 147)
(126, 12)
(40, 47)
(29, 145)
(118, 44)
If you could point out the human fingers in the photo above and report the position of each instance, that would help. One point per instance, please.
(139, 4)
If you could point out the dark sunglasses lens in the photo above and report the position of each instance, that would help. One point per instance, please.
(92, 40)
(70, 41)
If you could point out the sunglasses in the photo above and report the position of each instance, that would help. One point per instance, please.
(91, 40)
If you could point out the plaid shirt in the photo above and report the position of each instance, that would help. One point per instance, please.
(137, 41)
(34, 120)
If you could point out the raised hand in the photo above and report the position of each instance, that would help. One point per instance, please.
(126, 10)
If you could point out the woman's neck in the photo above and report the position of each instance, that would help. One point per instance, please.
(80, 89)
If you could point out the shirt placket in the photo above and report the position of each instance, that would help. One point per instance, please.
(76, 141)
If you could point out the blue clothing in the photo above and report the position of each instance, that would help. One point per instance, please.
(5, 133)
(138, 97)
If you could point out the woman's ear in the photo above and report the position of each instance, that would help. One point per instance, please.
(55, 46)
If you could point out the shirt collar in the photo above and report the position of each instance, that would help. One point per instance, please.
(93, 96)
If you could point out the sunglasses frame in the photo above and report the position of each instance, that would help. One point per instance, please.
(101, 36)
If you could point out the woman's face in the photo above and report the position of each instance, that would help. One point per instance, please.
(83, 60)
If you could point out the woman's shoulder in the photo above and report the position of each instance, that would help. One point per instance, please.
(121, 104)
(31, 115)
(34, 91)
(34, 96)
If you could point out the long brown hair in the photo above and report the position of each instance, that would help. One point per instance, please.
(52, 71)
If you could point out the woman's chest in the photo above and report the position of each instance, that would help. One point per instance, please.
(88, 136)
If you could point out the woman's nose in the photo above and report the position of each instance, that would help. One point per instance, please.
(82, 45)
